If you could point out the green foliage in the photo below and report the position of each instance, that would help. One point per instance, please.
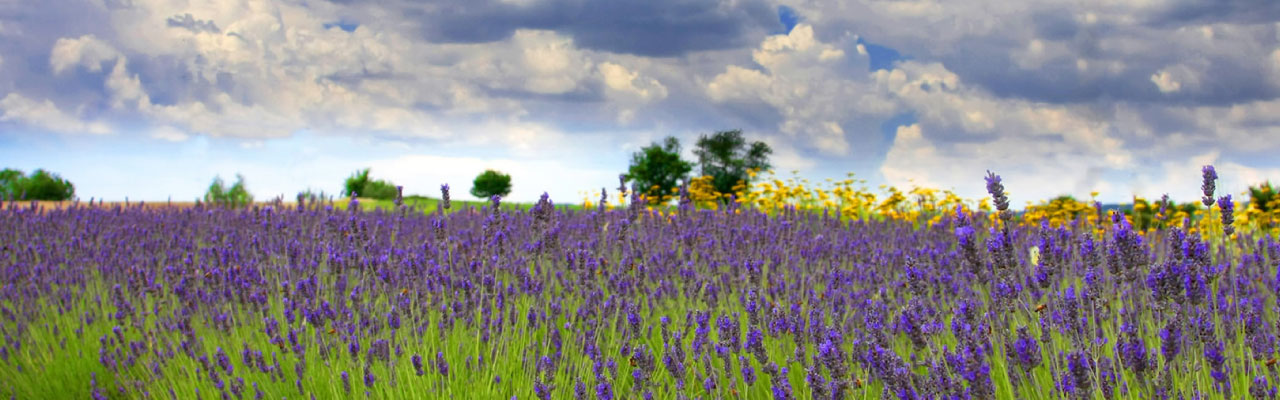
(360, 185)
(490, 183)
(726, 157)
(40, 185)
(234, 197)
(658, 168)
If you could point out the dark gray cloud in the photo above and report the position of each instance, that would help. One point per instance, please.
(1230, 62)
(1048, 86)
(189, 22)
(1193, 12)
(660, 28)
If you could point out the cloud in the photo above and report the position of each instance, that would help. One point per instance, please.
(621, 79)
(1061, 53)
(169, 133)
(45, 115)
(812, 85)
(1166, 82)
(1079, 94)
(661, 28)
(963, 132)
(189, 22)
(85, 51)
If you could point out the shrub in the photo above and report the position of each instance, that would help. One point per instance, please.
(491, 183)
(360, 185)
(40, 185)
(235, 196)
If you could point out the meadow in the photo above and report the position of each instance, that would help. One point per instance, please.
(784, 290)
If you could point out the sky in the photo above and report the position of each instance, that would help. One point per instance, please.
(151, 99)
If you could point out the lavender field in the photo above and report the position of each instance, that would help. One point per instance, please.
(321, 300)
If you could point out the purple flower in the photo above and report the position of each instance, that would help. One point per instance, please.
(748, 373)
(223, 361)
(1208, 186)
(393, 319)
(1213, 354)
(1171, 341)
(541, 390)
(1025, 350)
(996, 189)
(603, 390)
(1228, 214)
(781, 387)
(1260, 389)
(1134, 354)
(441, 364)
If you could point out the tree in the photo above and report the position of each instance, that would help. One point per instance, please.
(658, 168)
(40, 185)
(491, 183)
(726, 157)
(360, 185)
(235, 196)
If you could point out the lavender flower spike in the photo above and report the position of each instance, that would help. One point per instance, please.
(1208, 186)
(1228, 214)
(444, 196)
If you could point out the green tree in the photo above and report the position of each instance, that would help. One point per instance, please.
(361, 185)
(40, 185)
(726, 157)
(235, 196)
(658, 168)
(490, 183)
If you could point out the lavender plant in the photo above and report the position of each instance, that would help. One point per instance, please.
(311, 302)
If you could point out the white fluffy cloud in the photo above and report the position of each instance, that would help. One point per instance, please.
(963, 131)
(810, 84)
(1057, 97)
(169, 133)
(45, 115)
(85, 51)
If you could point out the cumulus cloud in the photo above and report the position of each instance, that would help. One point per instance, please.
(85, 51)
(1044, 92)
(650, 28)
(45, 115)
(810, 84)
(964, 131)
(1166, 82)
(169, 133)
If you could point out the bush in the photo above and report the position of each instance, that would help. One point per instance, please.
(360, 185)
(491, 183)
(40, 185)
(235, 196)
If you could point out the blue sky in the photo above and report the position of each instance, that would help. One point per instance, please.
(150, 99)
